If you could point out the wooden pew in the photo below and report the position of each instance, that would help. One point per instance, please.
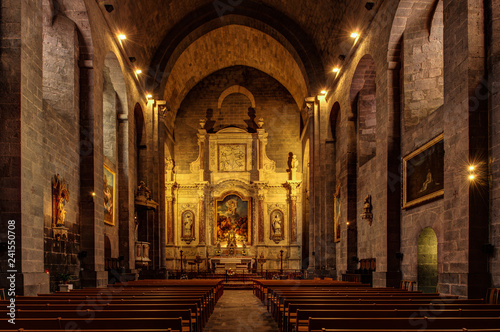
(426, 310)
(184, 314)
(73, 324)
(303, 316)
(416, 323)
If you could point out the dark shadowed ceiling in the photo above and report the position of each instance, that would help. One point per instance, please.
(178, 43)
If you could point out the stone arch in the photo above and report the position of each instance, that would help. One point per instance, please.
(364, 108)
(248, 13)
(274, 60)
(427, 261)
(236, 89)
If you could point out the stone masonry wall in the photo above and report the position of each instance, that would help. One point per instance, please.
(273, 103)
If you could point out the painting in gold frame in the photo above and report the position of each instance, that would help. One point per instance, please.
(336, 214)
(109, 190)
(423, 173)
(232, 212)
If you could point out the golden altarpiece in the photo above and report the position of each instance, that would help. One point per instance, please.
(233, 206)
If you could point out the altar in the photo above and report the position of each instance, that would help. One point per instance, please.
(236, 264)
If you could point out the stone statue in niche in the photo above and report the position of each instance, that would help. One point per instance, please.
(277, 226)
(188, 223)
(60, 196)
(188, 226)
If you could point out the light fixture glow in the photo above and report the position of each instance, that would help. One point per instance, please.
(471, 168)
(472, 177)
(347, 223)
(93, 194)
(354, 35)
(149, 96)
(138, 71)
(336, 70)
(122, 37)
(323, 92)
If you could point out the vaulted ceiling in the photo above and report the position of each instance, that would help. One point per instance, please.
(178, 43)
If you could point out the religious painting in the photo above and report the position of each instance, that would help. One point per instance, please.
(232, 157)
(277, 226)
(187, 219)
(232, 213)
(109, 195)
(336, 214)
(423, 173)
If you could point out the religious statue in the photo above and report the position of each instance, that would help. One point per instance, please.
(277, 224)
(169, 169)
(188, 224)
(60, 196)
(294, 163)
(143, 190)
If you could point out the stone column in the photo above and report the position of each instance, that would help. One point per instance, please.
(169, 199)
(202, 133)
(464, 268)
(261, 196)
(262, 136)
(310, 104)
(293, 187)
(201, 212)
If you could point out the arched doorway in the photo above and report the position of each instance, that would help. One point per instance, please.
(427, 261)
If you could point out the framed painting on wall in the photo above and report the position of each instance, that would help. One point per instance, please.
(109, 195)
(423, 173)
(232, 213)
(336, 214)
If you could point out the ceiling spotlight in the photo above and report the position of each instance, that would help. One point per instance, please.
(354, 35)
(109, 8)
(342, 57)
(138, 71)
(122, 37)
(472, 177)
(149, 96)
(369, 5)
(132, 59)
(471, 168)
(336, 70)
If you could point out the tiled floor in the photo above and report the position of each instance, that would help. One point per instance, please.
(240, 311)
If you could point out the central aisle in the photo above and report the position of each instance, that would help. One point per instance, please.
(240, 311)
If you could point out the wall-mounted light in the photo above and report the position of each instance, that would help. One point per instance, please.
(323, 92)
(149, 96)
(472, 173)
(138, 71)
(93, 194)
(336, 69)
(354, 35)
(122, 37)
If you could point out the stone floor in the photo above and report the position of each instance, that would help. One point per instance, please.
(240, 311)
